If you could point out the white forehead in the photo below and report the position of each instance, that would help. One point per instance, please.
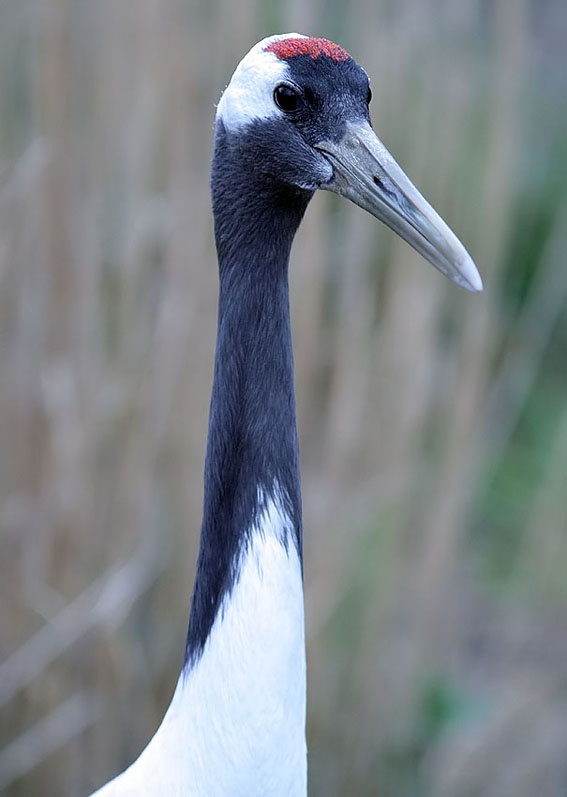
(249, 95)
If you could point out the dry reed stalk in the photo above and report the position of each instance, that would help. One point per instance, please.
(447, 510)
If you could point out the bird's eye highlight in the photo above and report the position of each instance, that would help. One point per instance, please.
(286, 98)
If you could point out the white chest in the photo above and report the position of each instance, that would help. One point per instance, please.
(236, 724)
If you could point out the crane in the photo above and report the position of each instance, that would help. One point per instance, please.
(293, 119)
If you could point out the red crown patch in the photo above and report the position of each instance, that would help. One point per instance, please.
(313, 47)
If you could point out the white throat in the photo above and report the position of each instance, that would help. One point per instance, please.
(236, 723)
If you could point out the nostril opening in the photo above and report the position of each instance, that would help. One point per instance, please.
(380, 183)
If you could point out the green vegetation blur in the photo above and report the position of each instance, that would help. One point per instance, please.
(433, 423)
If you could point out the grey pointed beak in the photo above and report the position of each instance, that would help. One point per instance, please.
(366, 173)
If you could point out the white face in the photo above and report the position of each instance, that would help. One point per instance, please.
(250, 93)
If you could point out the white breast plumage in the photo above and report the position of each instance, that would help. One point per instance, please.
(236, 723)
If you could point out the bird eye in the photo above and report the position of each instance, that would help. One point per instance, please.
(286, 98)
(369, 96)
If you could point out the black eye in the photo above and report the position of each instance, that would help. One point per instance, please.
(369, 95)
(286, 98)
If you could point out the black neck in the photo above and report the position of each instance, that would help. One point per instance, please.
(252, 445)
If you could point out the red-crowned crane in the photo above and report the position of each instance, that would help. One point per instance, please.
(294, 118)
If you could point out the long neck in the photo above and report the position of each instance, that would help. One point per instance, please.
(252, 452)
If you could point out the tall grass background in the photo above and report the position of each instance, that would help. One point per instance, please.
(433, 423)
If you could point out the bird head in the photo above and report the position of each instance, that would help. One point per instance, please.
(299, 108)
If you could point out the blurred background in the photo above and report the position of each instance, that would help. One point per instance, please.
(433, 423)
